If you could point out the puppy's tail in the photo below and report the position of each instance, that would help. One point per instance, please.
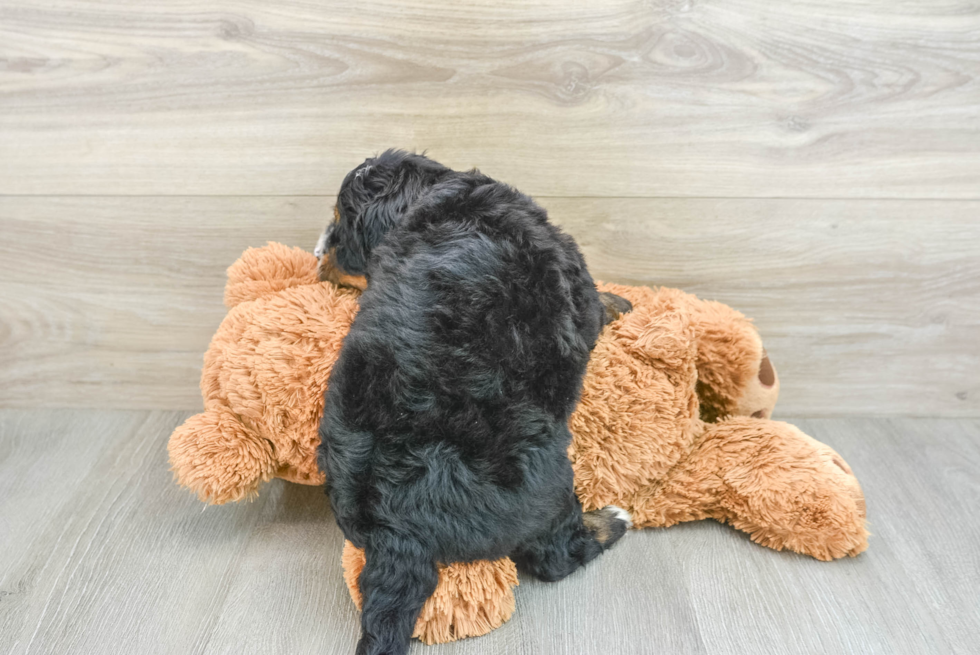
(398, 577)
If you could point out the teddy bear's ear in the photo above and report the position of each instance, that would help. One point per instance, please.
(270, 269)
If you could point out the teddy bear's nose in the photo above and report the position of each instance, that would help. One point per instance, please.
(767, 375)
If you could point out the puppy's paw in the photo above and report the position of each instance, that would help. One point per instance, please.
(621, 514)
(608, 524)
(615, 305)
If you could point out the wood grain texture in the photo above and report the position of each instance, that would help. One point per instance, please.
(627, 98)
(107, 564)
(103, 555)
(112, 302)
(867, 307)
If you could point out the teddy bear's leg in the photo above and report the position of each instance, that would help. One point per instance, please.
(214, 455)
(735, 375)
(269, 269)
(768, 479)
(470, 599)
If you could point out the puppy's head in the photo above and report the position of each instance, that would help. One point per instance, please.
(373, 199)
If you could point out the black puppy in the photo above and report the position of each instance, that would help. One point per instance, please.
(445, 425)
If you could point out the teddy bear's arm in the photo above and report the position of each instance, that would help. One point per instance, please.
(269, 269)
(766, 478)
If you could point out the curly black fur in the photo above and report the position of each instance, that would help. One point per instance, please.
(444, 432)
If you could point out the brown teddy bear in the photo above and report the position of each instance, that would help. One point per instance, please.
(673, 425)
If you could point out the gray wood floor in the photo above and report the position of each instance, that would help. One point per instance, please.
(100, 553)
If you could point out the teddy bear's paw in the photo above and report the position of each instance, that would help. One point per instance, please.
(851, 484)
(829, 525)
(608, 524)
(787, 490)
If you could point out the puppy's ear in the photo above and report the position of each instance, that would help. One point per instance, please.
(347, 245)
(384, 211)
(374, 198)
(395, 190)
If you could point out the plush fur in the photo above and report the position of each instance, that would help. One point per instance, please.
(663, 427)
(445, 424)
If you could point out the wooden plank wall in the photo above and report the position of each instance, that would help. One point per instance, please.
(814, 164)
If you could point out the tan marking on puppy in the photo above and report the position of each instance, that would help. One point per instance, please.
(615, 305)
(328, 271)
(597, 525)
(321, 244)
(607, 524)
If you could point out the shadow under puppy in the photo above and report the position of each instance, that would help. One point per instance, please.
(445, 424)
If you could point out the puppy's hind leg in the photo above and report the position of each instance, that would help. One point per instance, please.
(398, 577)
(576, 539)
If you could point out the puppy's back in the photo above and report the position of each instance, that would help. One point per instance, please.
(477, 306)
